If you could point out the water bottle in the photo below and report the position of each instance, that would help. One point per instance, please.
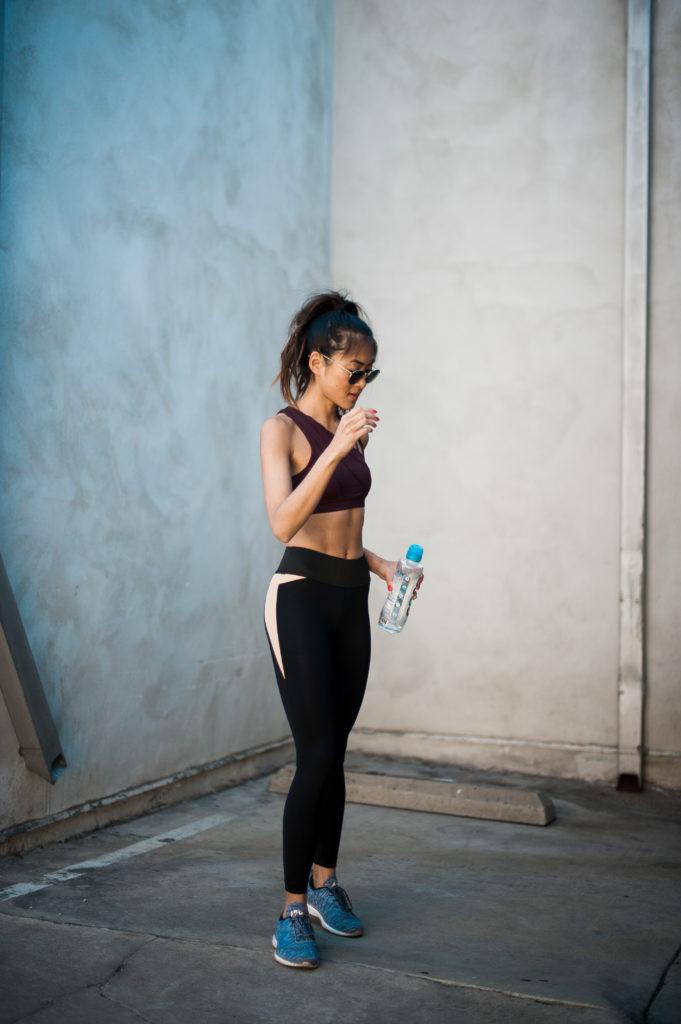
(405, 581)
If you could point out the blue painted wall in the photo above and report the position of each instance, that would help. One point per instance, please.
(164, 207)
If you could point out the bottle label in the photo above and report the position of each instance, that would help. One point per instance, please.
(398, 603)
(399, 597)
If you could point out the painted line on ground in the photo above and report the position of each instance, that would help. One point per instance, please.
(72, 871)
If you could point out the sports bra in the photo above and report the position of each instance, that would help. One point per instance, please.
(351, 479)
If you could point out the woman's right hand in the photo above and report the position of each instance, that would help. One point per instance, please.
(352, 427)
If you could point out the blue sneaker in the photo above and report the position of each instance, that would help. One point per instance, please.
(293, 939)
(331, 906)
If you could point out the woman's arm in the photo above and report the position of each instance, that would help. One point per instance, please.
(288, 510)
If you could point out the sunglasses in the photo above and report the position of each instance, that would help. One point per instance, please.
(354, 376)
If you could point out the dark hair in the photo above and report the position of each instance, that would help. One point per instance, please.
(327, 323)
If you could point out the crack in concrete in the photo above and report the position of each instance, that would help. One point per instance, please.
(124, 962)
(165, 937)
(452, 983)
(96, 985)
(77, 924)
(130, 1009)
(149, 937)
(660, 985)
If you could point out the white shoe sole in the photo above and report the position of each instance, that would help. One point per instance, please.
(288, 963)
(313, 912)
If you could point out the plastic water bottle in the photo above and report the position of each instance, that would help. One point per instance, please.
(405, 581)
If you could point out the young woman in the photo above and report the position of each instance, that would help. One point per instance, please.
(316, 616)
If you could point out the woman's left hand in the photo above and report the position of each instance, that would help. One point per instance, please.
(382, 568)
(385, 569)
(390, 570)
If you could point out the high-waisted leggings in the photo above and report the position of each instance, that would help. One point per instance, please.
(317, 622)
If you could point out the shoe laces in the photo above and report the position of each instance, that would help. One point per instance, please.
(342, 897)
(302, 928)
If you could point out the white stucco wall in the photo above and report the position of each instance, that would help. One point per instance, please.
(478, 213)
(165, 205)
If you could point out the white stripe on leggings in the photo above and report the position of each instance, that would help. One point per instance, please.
(271, 612)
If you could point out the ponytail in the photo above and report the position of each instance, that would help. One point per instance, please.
(328, 322)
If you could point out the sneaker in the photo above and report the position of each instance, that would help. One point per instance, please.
(331, 906)
(293, 938)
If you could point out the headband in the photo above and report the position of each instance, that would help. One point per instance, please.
(318, 331)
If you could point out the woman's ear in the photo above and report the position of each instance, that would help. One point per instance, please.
(316, 363)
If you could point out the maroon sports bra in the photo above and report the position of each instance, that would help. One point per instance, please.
(351, 479)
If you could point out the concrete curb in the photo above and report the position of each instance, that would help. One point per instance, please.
(495, 803)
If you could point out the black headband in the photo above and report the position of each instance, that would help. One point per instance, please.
(318, 331)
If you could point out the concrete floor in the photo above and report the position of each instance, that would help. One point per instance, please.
(465, 920)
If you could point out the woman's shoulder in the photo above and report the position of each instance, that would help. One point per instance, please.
(277, 427)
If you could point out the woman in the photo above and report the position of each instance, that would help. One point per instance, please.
(316, 616)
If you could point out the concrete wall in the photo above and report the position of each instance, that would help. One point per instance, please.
(165, 204)
(479, 154)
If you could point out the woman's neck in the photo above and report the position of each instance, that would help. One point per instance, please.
(320, 408)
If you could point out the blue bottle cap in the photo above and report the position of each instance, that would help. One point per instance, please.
(415, 553)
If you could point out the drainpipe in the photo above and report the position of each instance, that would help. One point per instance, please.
(631, 689)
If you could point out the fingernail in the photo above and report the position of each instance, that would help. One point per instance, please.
(390, 586)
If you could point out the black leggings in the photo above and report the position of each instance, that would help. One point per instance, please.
(318, 629)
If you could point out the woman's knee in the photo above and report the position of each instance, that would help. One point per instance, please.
(318, 760)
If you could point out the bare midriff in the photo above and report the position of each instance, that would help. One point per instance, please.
(333, 533)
